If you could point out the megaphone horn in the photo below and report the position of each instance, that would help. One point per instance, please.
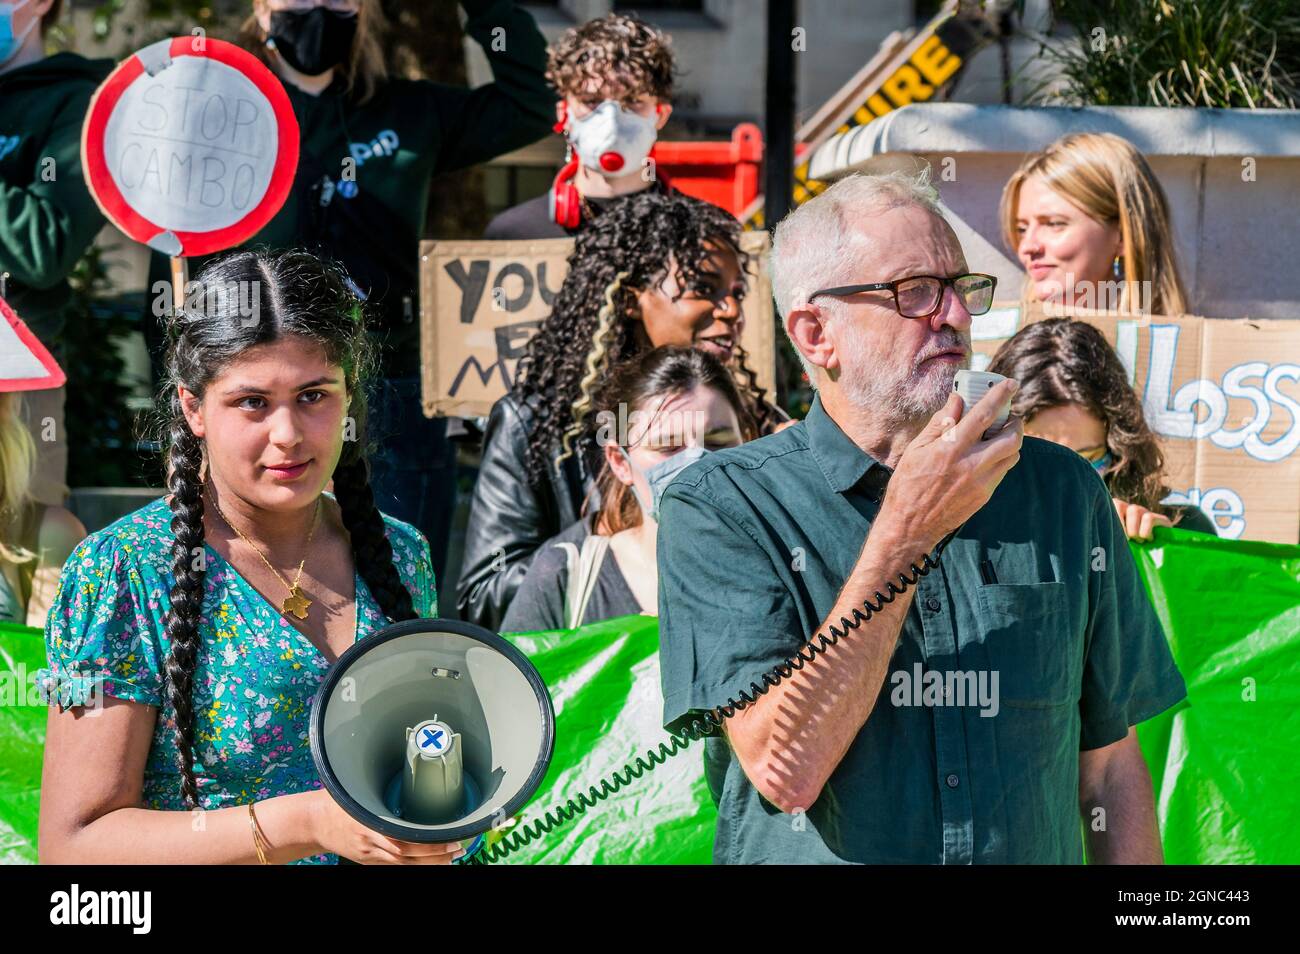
(432, 730)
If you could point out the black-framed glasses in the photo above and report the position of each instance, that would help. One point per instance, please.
(919, 296)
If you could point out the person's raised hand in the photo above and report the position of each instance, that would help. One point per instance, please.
(337, 832)
(1139, 522)
(947, 472)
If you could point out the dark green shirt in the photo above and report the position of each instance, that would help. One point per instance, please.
(1038, 591)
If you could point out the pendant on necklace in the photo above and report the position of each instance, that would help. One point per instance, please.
(296, 602)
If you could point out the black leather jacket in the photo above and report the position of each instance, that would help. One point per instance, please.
(509, 518)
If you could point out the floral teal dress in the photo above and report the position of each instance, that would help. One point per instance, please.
(256, 674)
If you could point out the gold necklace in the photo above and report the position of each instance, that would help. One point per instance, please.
(296, 602)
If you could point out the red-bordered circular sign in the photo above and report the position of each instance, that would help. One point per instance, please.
(190, 146)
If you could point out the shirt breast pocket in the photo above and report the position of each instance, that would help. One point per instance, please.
(1026, 630)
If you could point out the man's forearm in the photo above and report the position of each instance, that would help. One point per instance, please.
(792, 738)
(1118, 808)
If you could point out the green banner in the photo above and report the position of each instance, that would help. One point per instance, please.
(22, 741)
(1224, 764)
(604, 681)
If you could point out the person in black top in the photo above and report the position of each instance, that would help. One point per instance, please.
(47, 216)
(1074, 391)
(653, 270)
(657, 415)
(615, 77)
(370, 143)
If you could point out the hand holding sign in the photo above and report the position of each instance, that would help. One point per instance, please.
(190, 146)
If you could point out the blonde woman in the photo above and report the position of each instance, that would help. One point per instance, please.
(1090, 224)
(35, 539)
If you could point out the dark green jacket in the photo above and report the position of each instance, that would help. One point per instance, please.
(47, 217)
(405, 134)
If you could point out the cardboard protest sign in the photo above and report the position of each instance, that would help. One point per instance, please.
(25, 363)
(190, 146)
(1223, 397)
(480, 302)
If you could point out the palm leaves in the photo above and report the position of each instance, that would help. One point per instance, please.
(1201, 53)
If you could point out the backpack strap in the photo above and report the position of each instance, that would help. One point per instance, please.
(584, 568)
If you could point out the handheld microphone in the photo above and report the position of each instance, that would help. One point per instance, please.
(973, 385)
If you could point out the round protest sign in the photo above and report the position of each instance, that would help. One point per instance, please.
(190, 146)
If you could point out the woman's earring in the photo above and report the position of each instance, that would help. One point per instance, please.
(270, 43)
(1115, 268)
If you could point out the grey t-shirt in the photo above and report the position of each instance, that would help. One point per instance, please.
(539, 603)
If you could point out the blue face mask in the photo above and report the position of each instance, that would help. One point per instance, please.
(661, 475)
(9, 41)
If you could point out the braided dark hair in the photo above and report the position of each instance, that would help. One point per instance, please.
(625, 249)
(295, 294)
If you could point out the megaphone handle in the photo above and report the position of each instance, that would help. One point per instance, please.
(713, 719)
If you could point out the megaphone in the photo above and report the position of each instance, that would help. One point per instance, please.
(432, 730)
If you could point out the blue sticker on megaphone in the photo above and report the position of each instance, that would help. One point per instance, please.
(433, 738)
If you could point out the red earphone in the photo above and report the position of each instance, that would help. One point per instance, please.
(565, 203)
(565, 200)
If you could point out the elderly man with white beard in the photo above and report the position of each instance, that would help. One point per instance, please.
(1035, 592)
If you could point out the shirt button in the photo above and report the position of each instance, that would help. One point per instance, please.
(952, 781)
(932, 605)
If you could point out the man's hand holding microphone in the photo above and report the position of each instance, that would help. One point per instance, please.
(949, 471)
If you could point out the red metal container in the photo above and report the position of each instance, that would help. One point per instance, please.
(724, 173)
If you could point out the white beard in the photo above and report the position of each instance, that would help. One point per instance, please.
(894, 394)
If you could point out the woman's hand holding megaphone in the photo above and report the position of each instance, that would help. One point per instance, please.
(337, 832)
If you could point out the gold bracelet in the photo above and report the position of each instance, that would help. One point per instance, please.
(257, 835)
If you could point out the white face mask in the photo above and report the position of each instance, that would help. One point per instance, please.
(612, 140)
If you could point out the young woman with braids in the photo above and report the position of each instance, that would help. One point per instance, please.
(1074, 391)
(653, 270)
(196, 630)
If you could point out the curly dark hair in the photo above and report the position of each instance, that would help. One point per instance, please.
(619, 55)
(297, 295)
(591, 327)
(1060, 361)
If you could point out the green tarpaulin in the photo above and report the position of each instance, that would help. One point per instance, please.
(22, 739)
(604, 681)
(1224, 764)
